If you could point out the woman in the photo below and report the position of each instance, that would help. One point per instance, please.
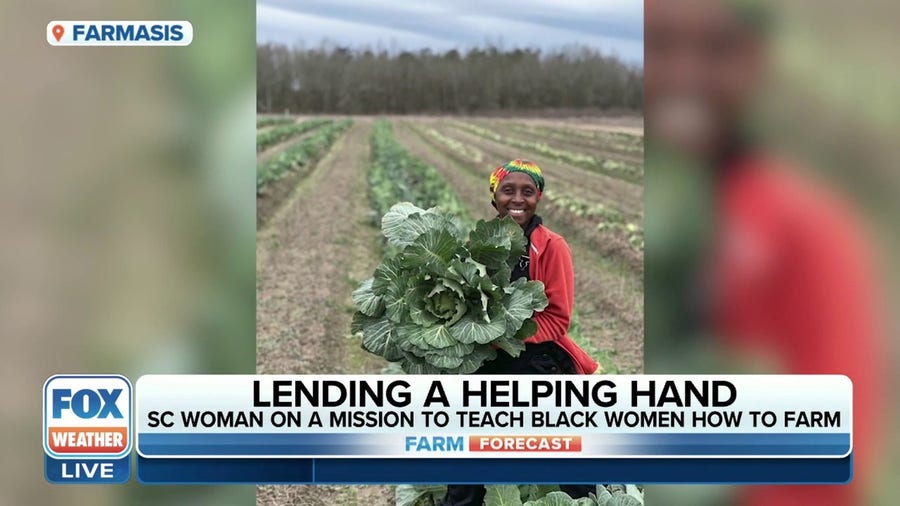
(516, 190)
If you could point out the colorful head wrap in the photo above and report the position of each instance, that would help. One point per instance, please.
(517, 165)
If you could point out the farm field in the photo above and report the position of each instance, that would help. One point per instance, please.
(318, 234)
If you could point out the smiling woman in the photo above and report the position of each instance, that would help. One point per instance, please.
(516, 189)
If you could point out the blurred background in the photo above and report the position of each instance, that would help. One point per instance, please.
(771, 204)
(127, 209)
(127, 217)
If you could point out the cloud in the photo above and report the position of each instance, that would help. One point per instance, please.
(275, 24)
(615, 26)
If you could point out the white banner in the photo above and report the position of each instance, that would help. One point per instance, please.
(484, 416)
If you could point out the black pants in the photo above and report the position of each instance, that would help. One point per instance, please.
(542, 358)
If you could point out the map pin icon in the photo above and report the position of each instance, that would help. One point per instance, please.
(58, 32)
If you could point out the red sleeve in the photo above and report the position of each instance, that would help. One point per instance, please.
(829, 313)
(559, 285)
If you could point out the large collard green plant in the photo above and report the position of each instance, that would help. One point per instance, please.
(441, 300)
(525, 495)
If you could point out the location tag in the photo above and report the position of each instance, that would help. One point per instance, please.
(58, 32)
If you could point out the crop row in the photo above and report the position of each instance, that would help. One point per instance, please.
(526, 495)
(613, 141)
(468, 152)
(300, 154)
(614, 168)
(268, 121)
(607, 218)
(269, 138)
(397, 176)
(635, 141)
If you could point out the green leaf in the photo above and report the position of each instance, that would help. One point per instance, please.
(416, 302)
(603, 496)
(415, 365)
(467, 330)
(539, 491)
(500, 276)
(433, 248)
(414, 349)
(442, 360)
(489, 237)
(484, 302)
(378, 338)
(490, 243)
(512, 346)
(359, 321)
(395, 292)
(396, 310)
(553, 499)
(435, 337)
(517, 239)
(366, 301)
(635, 492)
(459, 350)
(404, 222)
(529, 328)
(387, 274)
(417, 495)
(514, 310)
(623, 500)
(471, 271)
(502, 495)
(473, 361)
(538, 297)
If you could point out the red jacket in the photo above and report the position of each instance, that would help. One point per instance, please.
(792, 280)
(551, 263)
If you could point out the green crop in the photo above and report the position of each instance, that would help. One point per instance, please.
(397, 176)
(300, 154)
(526, 495)
(269, 138)
(441, 299)
(614, 168)
(268, 121)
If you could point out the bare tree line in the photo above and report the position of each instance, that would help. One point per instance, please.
(331, 79)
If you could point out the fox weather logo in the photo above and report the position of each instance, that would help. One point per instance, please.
(87, 428)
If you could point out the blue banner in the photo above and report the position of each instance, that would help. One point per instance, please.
(551, 471)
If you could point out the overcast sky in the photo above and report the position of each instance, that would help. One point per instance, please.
(615, 26)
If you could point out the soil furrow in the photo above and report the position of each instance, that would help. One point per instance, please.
(309, 260)
(561, 139)
(275, 150)
(625, 125)
(303, 281)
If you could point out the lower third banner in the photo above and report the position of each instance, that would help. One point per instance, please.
(537, 429)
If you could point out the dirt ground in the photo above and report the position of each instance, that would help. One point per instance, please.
(309, 259)
(626, 124)
(564, 138)
(276, 193)
(273, 151)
